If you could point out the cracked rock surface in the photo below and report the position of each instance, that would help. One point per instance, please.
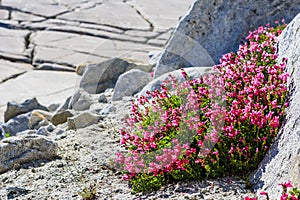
(55, 36)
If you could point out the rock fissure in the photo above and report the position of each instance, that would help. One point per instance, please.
(151, 25)
(12, 77)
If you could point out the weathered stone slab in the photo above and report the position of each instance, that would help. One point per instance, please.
(10, 69)
(219, 27)
(4, 14)
(48, 86)
(163, 15)
(70, 49)
(127, 50)
(282, 163)
(47, 8)
(117, 14)
(63, 57)
(161, 39)
(98, 33)
(20, 16)
(69, 41)
(13, 43)
(141, 33)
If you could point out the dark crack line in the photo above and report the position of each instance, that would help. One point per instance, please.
(12, 77)
(80, 23)
(10, 9)
(32, 53)
(57, 40)
(29, 46)
(151, 25)
(30, 28)
(102, 36)
(27, 40)
(86, 33)
(14, 59)
(147, 20)
(103, 24)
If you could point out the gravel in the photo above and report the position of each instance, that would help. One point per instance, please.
(86, 161)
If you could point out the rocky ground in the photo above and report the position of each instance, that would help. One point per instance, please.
(86, 160)
(56, 36)
(42, 43)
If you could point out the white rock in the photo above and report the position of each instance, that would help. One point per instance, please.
(193, 72)
(282, 163)
(129, 83)
(213, 28)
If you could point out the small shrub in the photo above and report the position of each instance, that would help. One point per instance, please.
(89, 193)
(216, 125)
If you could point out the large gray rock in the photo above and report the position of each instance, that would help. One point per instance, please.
(130, 82)
(213, 27)
(17, 150)
(15, 109)
(193, 72)
(282, 163)
(98, 77)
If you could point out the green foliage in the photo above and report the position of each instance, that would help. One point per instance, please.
(89, 193)
(195, 131)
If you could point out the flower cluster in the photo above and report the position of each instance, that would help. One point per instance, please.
(217, 124)
(294, 193)
(169, 127)
(255, 93)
